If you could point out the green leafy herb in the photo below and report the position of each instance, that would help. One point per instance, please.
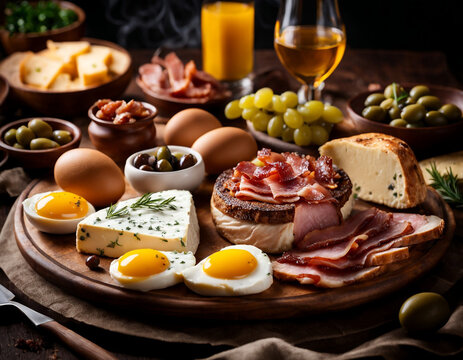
(112, 212)
(154, 204)
(398, 97)
(446, 185)
(112, 244)
(101, 251)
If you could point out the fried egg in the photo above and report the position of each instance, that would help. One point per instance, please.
(234, 270)
(57, 212)
(148, 269)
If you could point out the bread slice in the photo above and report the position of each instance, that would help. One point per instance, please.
(383, 169)
(443, 163)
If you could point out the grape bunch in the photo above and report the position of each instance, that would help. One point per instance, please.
(281, 116)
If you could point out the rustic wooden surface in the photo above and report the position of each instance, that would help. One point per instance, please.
(358, 69)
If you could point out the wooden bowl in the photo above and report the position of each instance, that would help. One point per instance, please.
(119, 141)
(168, 106)
(38, 41)
(4, 90)
(40, 159)
(419, 139)
(64, 103)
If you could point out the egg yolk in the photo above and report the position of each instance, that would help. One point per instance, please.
(230, 264)
(143, 262)
(62, 206)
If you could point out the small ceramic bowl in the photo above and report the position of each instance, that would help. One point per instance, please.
(152, 181)
(40, 159)
(419, 139)
(118, 141)
(38, 41)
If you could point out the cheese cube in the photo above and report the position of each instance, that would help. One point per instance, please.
(168, 229)
(68, 51)
(92, 68)
(120, 62)
(62, 82)
(39, 70)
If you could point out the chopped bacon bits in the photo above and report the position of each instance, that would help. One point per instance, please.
(121, 112)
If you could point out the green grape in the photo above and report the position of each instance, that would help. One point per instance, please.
(306, 115)
(278, 104)
(293, 119)
(289, 98)
(248, 114)
(260, 121)
(319, 134)
(325, 125)
(269, 107)
(233, 110)
(303, 135)
(332, 114)
(247, 102)
(275, 126)
(314, 109)
(287, 134)
(263, 97)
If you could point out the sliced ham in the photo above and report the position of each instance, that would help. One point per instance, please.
(153, 76)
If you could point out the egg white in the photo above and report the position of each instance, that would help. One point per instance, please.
(258, 281)
(179, 261)
(52, 226)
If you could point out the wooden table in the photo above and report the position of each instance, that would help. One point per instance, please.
(358, 69)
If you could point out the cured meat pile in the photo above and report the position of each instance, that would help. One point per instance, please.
(357, 249)
(290, 178)
(169, 77)
(121, 112)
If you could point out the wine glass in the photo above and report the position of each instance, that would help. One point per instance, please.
(310, 41)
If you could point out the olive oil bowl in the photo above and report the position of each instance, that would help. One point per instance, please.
(40, 159)
(419, 138)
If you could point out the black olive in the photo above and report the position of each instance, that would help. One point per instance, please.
(146, 168)
(92, 262)
(140, 159)
(187, 160)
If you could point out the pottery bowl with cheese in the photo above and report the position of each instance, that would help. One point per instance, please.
(154, 181)
(68, 102)
(419, 139)
(40, 159)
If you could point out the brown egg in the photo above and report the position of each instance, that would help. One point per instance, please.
(224, 147)
(90, 174)
(186, 126)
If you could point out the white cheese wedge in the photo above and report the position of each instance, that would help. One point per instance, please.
(167, 230)
(382, 168)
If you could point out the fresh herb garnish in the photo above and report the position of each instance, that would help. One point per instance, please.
(398, 97)
(446, 185)
(112, 244)
(112, 212)
(154, 204)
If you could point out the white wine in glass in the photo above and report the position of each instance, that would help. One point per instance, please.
(310, 41)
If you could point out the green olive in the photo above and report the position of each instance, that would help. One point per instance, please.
(10, 137)
(430, 102)
(163, 165)
(24, 136)
(394, 112)
(451, 112)
(424, 312)
(62, 136)
(40, 128)
(435, 118)
(418, 91)
(374, 99)
(413, 113)
(375, 113)
(43, 143)
(398, 123)
(410, 101)
(387, 104)
(419, 124)
(178, 155)
(163, 153)
(18, 146)
(390, 89)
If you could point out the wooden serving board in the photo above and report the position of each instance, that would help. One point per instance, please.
(56, 259)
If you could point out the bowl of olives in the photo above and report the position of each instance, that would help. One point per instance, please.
(164, 168)
(36, 143)
(423, 116)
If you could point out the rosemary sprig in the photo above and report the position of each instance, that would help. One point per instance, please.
(399, 97)
(446, 185)
(112, 212)
(154, 204)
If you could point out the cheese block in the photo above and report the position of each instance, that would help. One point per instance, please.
(168, 229)
(68, 51)
(443, 163)
(102, 52)
(39, 71)
(383, 169)
(120, 62)
(62, 82)
(92, 68)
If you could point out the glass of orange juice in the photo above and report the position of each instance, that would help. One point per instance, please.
(227, 33)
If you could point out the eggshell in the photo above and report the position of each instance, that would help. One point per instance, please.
(90, 174)
(188, 125)
(224, 147)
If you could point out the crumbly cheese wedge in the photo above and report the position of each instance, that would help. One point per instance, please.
(443, 163)
(92, 67)
(39, 71)
(168, 229)
(382, 168)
